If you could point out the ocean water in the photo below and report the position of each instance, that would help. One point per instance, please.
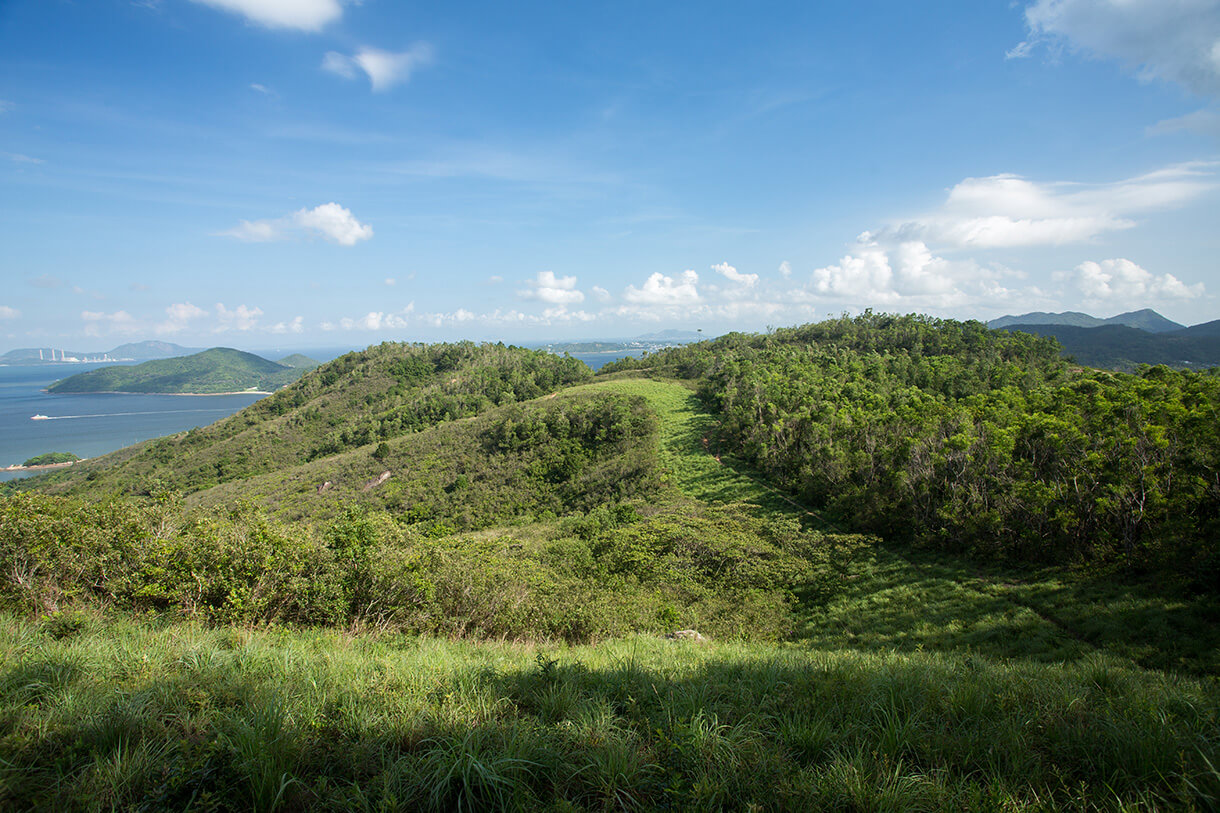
(92, 424)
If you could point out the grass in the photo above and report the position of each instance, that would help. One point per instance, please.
(123, 713)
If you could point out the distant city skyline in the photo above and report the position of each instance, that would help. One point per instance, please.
(258, 173)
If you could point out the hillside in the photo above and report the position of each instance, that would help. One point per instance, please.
(1118, 347)
(299, 361)
(1145, 319)
(442, 577)
(218, 370)
(360, 398)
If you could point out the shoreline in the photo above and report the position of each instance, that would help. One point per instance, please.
(191, 394)
(16, 467)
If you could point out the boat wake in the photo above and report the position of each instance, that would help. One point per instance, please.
(117, 414)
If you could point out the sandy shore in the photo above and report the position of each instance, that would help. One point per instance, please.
(46, 466)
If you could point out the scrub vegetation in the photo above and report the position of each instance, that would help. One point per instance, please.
(442, 577)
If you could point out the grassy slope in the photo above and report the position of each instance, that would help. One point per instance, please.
(925, 684)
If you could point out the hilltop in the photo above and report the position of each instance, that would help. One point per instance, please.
(218, 370)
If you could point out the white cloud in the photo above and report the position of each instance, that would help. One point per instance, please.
(601, 293)
(297, 325)
(383, 68)
(1172, 40)
(495, 279)
(334, 223)
(1006, 211)
(1205, 122)
(733, 275)
(179, 315)
(239, 318)
(549, 288)
(865, 276)
(1121, 281)
(98, 322)
(330, 221)
(305, 15)
(391, 282)
(261, 88)
(9, 313)
(785, 269)
(662, 290)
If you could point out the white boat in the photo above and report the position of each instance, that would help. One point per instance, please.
(39, 418)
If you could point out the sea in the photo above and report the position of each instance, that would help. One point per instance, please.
(89, 425)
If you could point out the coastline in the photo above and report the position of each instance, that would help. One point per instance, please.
(16, 467)
(192, 394)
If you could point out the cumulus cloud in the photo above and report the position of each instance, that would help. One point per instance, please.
(9, 313)
(1172, 40)
(178, 316)
(304, 15)
(546, 287)
(383, 68)
(330, 221)
(601, 293)
(239, 318)
(785, 269)
(659, 289)
(1007, 211)
(1121, 280)
(297, 325)
(733, 275)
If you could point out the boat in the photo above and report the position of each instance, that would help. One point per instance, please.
(39, 418)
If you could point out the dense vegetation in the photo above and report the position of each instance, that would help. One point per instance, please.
(51, 458)
(436, 577)
(950, 435)
(220, 369)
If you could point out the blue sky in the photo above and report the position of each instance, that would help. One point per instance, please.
(256, 172)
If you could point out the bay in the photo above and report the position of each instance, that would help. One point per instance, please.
(92, 424)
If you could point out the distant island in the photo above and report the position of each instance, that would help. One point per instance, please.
(650, 342)
(1125, 341)
(216, 371)
(134, 351)
(49, 460)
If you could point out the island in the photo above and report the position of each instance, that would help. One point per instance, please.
(218, 371)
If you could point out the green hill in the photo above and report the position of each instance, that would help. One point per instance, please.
(298, 360)
(218, 370)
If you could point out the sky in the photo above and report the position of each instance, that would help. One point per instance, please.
(344, 172)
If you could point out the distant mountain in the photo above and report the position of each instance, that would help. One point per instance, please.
(298, 361)
(1195, 331)
(143, 351)
(221, 369)
(136, 351)
(1119, 347)
(1145, 319)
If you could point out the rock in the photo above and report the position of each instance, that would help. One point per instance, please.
(371, 484)
(686, 635)
(324, 486)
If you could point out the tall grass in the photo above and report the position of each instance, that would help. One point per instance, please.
(126, 714)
